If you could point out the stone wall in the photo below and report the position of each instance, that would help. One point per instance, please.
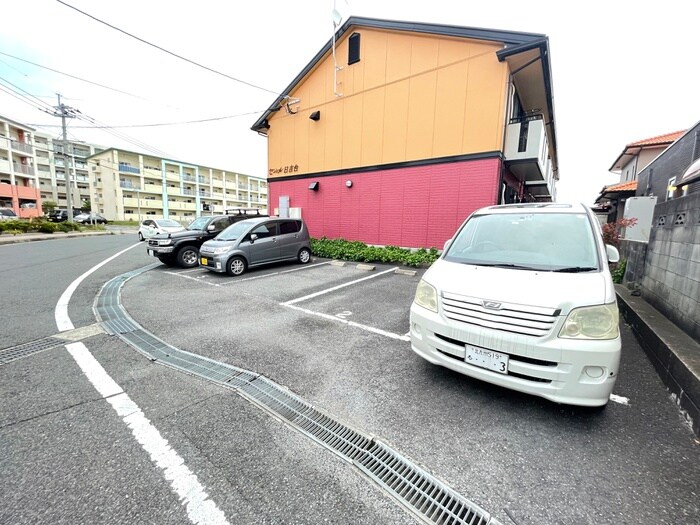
(671, 281)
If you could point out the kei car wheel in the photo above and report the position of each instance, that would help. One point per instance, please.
(304, 255)
(235, 266)
(140, 236)
(188, 257)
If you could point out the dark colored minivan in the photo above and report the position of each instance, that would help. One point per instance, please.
(254, 242)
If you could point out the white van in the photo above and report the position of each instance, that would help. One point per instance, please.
(522, 297)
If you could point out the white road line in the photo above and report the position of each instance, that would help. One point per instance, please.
(329, 290)
(199, 508)
(305, 267)
(61, 312)
(620, 399)
(350, 323)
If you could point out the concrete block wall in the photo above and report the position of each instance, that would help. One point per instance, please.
(671, 274)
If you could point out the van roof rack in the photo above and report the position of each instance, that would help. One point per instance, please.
(243, 211)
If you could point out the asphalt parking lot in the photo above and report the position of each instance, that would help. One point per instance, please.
(336, 335)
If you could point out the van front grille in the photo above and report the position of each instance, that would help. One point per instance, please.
(505, 317)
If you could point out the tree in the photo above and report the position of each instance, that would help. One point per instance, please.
(86, 206)
(48, 206)
(611, 230)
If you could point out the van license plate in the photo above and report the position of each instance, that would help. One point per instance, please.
(486, 359)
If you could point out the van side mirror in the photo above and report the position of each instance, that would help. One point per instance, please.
(253, 237)
(612, 253)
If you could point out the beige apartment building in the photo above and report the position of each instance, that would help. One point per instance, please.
(133, 186)
(53, 161)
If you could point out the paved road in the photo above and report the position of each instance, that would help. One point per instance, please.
(68, 457)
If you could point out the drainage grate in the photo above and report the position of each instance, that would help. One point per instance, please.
(429, 499)
(27, 349)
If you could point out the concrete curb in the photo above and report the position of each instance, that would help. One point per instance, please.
(674, 354)
(29, 237)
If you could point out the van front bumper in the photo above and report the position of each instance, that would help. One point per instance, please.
(569, 371)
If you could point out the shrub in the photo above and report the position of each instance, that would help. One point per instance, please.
(618, 271)
(360, 252)
(47, 227)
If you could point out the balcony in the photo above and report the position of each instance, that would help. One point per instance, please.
(129, 185)
(22, 146)
(526, 150)
(125, 168)
(4, 143)
(23, 168)
(4, 166)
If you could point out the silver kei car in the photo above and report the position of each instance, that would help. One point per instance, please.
(254, 242)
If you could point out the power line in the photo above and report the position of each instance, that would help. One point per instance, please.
(158, 124)
(166, 51)
(75, 77)
(40, 102)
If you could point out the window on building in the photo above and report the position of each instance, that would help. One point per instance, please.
(354, 48)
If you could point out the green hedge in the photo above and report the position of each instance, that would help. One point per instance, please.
(360, 252)
(41, 225)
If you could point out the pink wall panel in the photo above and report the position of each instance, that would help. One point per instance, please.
(411, 207)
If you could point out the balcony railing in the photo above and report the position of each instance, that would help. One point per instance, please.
(123, 168)
(23, 168)
(22, 146)
(129, 185)
(4, 143)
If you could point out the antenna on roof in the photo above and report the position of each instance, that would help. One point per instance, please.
(337, 19)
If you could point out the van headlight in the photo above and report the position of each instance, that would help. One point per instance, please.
(426, 296)
(592, 322)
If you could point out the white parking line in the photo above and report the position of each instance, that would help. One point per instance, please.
(305, 267)
(192, 494)
(329, 290)
(620, 399)
(197, 279)
(349, 323)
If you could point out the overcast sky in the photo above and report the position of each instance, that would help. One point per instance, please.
(621, 70)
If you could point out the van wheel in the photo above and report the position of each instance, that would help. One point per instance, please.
(140, 236)
(235, 266)
(188, 257)
(304, 255)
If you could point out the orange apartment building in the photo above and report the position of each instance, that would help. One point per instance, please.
(396, 131)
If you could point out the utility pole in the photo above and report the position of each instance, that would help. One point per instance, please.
(64, 111)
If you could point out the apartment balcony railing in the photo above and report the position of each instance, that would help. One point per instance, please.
(4, 166)
(4, 143)
(23, 168)
(81, 153)
(123, 168)
(187, 192)
(128, 185)
(22, 146)
(189, 178)
(204, 194)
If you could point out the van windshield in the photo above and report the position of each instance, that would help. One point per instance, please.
(560, 242)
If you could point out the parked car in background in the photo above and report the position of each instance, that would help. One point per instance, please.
(522, 297)
(7, 214)
(254, 242)
(57, 215)
(90, 218)
(150, 227)
(182, 248)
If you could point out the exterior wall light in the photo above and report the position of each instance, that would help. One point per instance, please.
(316, 115)
(313, 186)
(348, 183)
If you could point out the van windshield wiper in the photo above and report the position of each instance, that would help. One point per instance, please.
(505, 265)
(575, 269)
